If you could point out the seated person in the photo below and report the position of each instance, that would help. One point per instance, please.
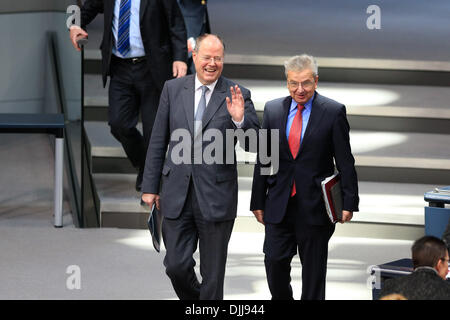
(427, 282)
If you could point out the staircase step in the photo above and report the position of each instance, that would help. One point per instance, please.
(119, 201)
(379, 156)
(390, 204)
(374, 107)
(334, 69)
(369, 107)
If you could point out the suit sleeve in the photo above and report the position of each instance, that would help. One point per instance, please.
(177, 29)
(259, 185)
(250, 119)
(345, 161)
(157, 148)
(89, 11)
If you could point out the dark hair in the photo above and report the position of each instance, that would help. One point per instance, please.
(427, 251)
(202, 37)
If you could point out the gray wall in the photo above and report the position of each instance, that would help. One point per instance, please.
(15, 6)
(24, 62)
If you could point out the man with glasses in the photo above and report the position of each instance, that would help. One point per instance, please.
(427, 282)
(198, 200)
(314, 133)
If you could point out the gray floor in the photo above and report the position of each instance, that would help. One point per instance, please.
(121, 263)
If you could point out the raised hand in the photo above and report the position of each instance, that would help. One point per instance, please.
(236, 104)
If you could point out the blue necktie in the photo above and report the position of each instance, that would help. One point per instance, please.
(123, 37)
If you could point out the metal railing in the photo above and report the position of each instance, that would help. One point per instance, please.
(83, 201)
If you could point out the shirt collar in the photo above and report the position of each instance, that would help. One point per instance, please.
(198, 84)
(426, 268)
(308, 104)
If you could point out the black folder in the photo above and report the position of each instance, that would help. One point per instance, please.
(154, 223)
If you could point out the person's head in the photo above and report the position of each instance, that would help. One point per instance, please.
(208, 58)
(393, 296)
(302, 77)
(432, 252)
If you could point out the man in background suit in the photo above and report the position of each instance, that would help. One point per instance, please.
(144, 44)
(427, 282)
(313, 131)
(197, 200)
(196, 19)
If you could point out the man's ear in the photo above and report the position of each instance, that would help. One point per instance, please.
(438, 265)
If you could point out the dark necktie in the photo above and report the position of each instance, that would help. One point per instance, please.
(295, 135)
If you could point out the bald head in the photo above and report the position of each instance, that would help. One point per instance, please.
(208, 58)
(210, 38)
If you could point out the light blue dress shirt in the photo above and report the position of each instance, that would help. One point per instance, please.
(305, 116)
(136, 45)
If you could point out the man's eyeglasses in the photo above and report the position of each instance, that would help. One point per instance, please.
(306, 85)
(216, 59)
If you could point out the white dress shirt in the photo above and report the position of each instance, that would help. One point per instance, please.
(136, 45)
(198, 95)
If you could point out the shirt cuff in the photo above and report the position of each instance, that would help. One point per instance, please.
(238, 124)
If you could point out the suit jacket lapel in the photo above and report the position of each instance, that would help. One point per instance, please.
(142, 8)
(109, 10)
(285, 112)
(217, 98)
(188, 101)
(317, 112)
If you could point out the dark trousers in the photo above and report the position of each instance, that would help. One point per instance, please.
(281, 244)
(181, 237)
(131, 91)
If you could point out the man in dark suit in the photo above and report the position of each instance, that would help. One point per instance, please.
(313, 131)
(144, 44)
(196, 19)
(427, 282)
(198, 198)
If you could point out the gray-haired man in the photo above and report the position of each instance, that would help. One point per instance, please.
(314, 133)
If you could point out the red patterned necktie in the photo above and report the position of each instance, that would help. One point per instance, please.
(295, 135)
